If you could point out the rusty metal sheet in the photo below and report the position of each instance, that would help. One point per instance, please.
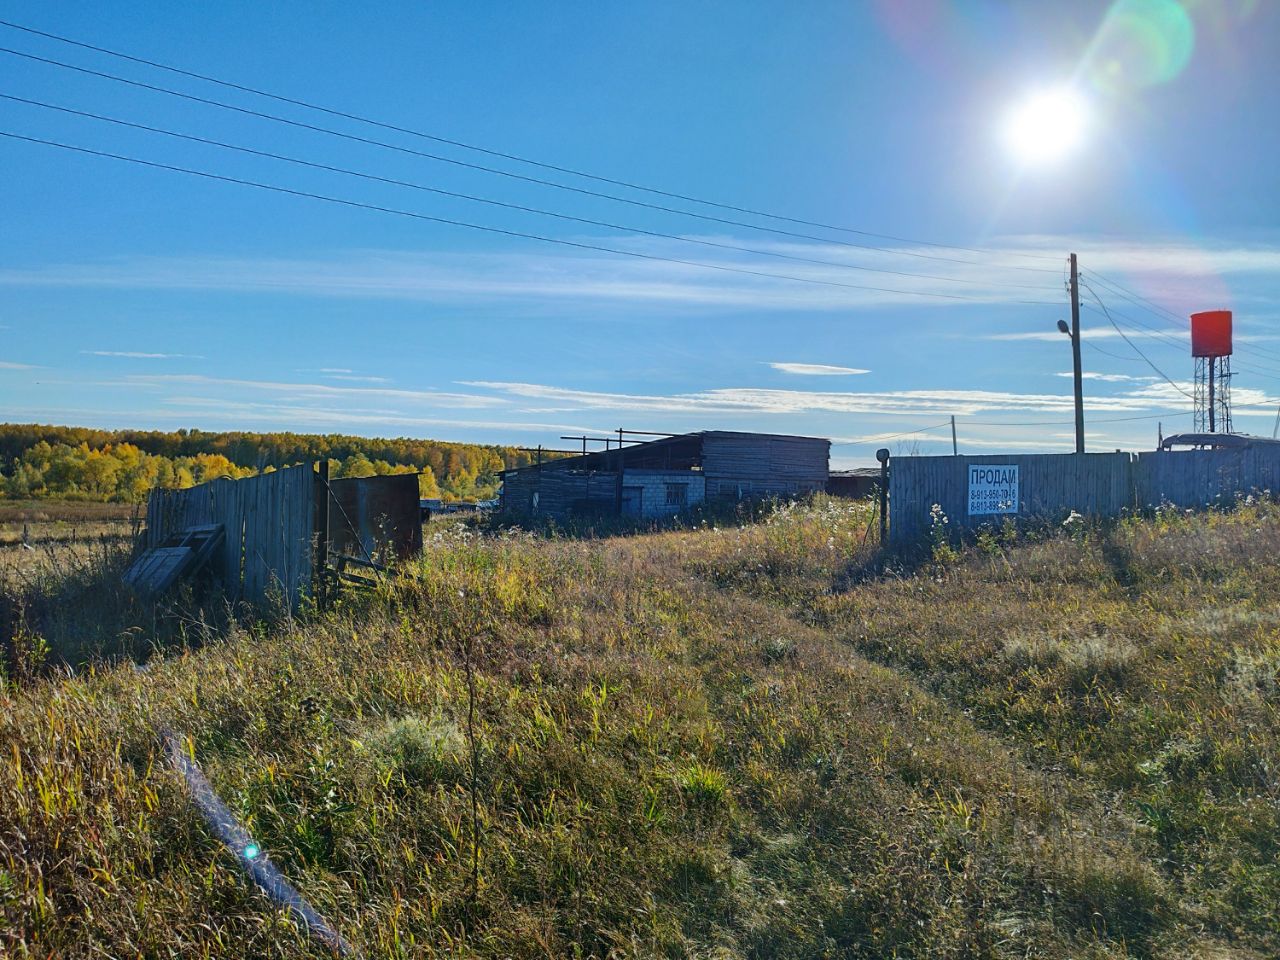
(375, 518)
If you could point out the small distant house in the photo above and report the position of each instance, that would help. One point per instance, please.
(856, 484)
(664, 477)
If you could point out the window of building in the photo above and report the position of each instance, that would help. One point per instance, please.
(677, 494)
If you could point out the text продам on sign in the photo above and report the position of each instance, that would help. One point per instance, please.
(993, 488)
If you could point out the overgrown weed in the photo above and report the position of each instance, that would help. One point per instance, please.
(710, 742)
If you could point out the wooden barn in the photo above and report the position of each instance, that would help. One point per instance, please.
(664, 477)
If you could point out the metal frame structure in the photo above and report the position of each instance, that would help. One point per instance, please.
(1212, 395)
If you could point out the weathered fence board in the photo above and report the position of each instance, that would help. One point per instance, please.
(1093, 484)
(1097, 484)
(1197, 478)
(268, 522)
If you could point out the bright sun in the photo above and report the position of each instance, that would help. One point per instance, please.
(1046, 126)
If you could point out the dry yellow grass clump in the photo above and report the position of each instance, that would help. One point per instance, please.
(746, 741)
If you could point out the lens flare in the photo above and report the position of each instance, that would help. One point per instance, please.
(1141, 43)
(1045, 127)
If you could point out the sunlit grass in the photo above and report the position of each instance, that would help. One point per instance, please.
(729, 741)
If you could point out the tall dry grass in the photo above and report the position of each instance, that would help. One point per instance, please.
(722, 742)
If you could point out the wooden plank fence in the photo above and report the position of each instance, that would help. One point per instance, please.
(1050, 486)
(270, 524)
(1198, 478)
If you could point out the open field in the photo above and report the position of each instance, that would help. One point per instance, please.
(64, 521)
(729, 742)
(66, 511)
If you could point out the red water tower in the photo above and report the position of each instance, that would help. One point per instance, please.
(1211, 347)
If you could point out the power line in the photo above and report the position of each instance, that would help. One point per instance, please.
(892, 436)
(485, 169)
(1143, 329)
(1108, 353)
(1136, 298)
(963, 421)
(1267, 373)
(491, 229)
(1158, 309)
(1107, 312)
(1072, 423)
(498, 203)
(500, 154)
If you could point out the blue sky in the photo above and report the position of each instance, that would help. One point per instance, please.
(134, 296)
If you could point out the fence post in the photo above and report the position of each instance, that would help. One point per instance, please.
(883, 456)
(322, 536)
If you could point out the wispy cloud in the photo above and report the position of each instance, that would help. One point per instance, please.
(139, 355)
(438, 398)
(1091, 333)
(816, 369)
(814, 276)
(1210, 258)
(328, 417)
(752, 400)
(1107, 377)
(11, 365)
(345, 374)
(829, 277)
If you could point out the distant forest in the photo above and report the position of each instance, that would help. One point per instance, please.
(80, 463)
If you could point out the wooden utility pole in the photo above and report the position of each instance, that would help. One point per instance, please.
(1075, 354)
(955, 449)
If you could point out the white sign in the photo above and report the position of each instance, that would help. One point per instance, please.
(993, 488)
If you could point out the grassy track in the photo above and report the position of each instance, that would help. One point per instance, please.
(718, 743)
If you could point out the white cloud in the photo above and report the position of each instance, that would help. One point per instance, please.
(437, 398)
(324, 417)
(1107, 377)
(11, 365)
(137, 355)
(1091, 333)
(1157, 257)
(847, 278)
(816, 369)
(1177, 276)
(343, 373)
(751, 400)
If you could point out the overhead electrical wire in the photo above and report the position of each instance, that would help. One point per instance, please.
(893, 436)
(1150, 306)
(1131, 344)
(963, 421)
(1139, 328)
(1068, 423)
(1114, 287)
(491, 229)
(329, 131)
(1154, 333)
(500, 203)
(505, 155)
(1108, 353)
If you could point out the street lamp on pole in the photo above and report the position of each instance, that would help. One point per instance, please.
(1073, 331)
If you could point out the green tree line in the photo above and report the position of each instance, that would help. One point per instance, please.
(38, 462)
